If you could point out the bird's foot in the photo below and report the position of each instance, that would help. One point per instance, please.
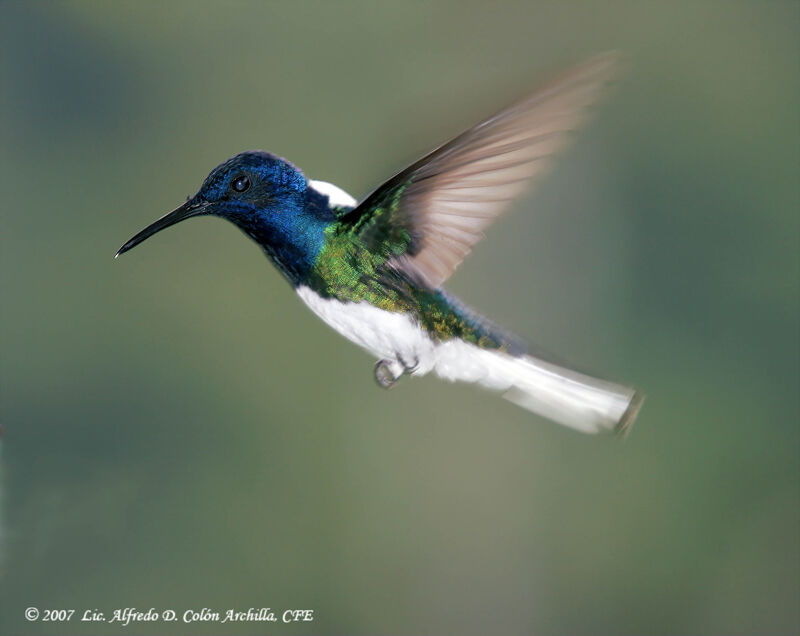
(388, 372)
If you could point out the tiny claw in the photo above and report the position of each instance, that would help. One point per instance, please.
(384, 375)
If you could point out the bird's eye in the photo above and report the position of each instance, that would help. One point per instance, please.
(241, 183)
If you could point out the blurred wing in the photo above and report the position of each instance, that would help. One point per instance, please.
(428, 217)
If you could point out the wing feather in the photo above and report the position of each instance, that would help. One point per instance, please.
(446, 200)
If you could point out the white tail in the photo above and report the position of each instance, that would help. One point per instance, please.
(557, 393)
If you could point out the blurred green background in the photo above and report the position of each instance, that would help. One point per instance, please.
(181, 432)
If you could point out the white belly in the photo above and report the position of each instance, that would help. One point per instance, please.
(560, 394)
(385, 334)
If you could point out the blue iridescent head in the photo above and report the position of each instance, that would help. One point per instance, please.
(269, 199)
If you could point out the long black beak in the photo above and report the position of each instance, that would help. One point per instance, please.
(187, 210)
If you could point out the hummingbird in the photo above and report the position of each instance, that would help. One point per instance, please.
(373, 269)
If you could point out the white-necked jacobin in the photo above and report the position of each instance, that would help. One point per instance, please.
(373, 269)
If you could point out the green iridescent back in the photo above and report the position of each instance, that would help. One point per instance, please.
(352, 267)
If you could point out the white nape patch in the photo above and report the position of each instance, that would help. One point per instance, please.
(562, 395)
(336, 196)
